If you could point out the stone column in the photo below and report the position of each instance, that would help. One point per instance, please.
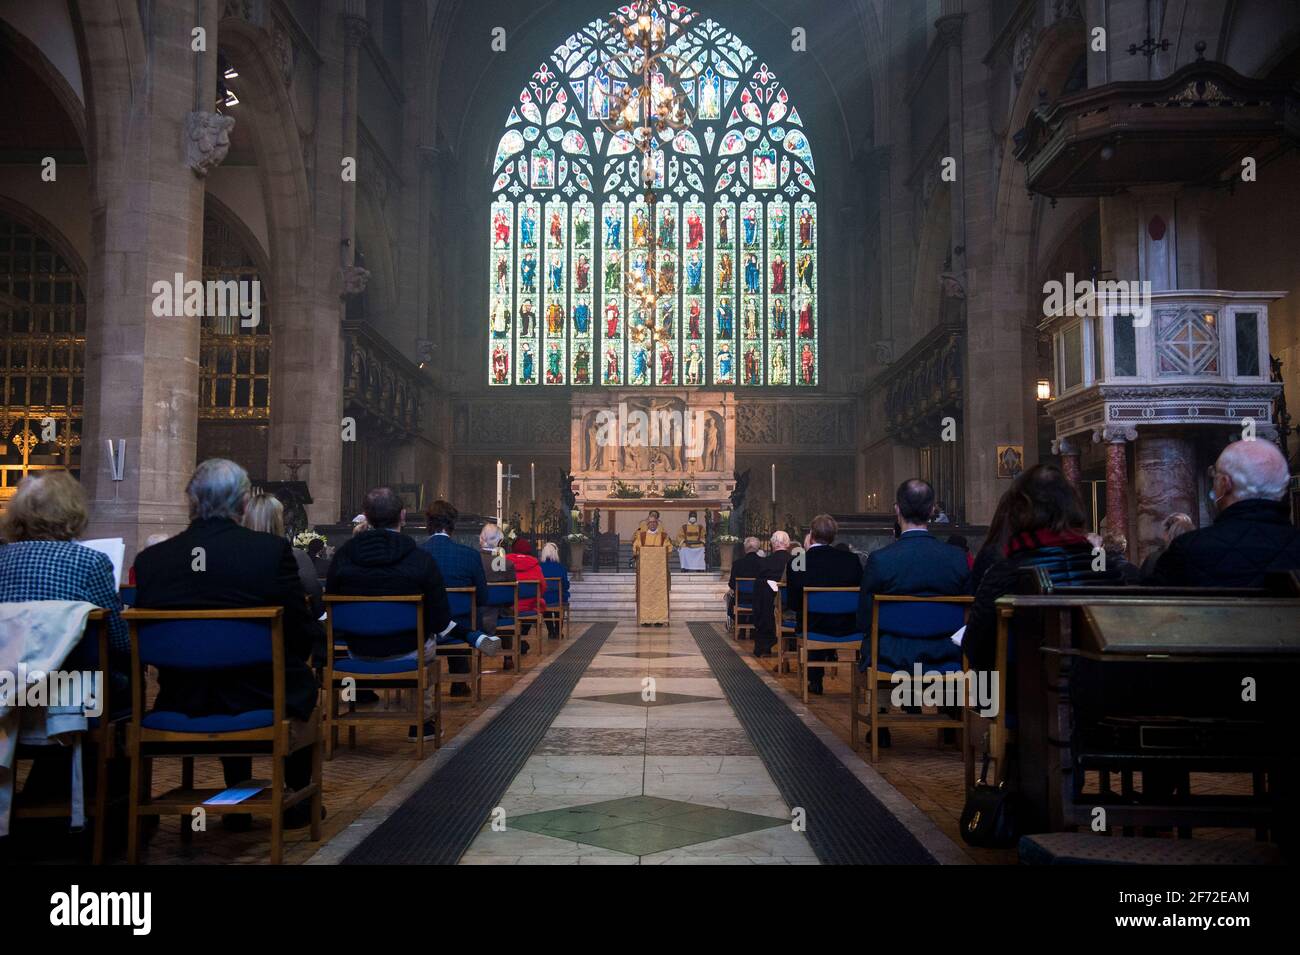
(1166, 483)
(142, 369)
(1116, 439)
(1068, 449)
(355, 30)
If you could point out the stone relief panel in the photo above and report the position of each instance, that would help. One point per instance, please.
(480, 423)
(812, 425)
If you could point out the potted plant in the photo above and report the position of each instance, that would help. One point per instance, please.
(726, 550)
(577, 544)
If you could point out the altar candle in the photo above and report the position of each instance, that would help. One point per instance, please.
(498, 494)
(532, 477)
(773, 483)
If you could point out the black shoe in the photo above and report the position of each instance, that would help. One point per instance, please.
(882, 737)
(815, 689)
(430, 732)
(366, 696)
(237, 822)
(523, 648)
(299, 816)
(508, 664)
(460, 689)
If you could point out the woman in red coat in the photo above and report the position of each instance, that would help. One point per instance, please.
(527, 567)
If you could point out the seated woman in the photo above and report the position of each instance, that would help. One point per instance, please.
(551, 567)
(527, 567)
(43, 561)
(1044, 525)
(265, 513)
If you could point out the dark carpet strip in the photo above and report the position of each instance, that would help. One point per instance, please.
(440, 819)
(847, 825)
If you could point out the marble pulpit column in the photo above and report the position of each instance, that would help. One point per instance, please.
(1116, 439)
(1068, 449)
(1165, 461)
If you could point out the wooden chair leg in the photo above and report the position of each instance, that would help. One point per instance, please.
(277, 806)
(133, 809)
(187, 782)
(873, 717)
(316, 796)
(437, 703)
(101, 798)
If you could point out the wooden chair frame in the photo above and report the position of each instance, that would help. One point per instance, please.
(475, 655)
(787, 637)
(737, 627)
(865, 686)
(559, 613)
(535, 618)
(103, 737)
(283, 736)
(512, 631)
(806, 645)
(385, 717)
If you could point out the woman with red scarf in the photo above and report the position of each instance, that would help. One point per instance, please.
(1044, 527)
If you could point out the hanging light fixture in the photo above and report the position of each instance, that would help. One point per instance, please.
(648, 108)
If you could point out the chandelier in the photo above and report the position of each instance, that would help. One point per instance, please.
(648, 107)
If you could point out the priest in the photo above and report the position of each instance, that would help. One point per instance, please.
(650, 549)
(691, 543)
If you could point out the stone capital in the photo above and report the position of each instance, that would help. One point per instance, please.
(949, 28)
(1065, 446)
(1114, 434)
(207, 140)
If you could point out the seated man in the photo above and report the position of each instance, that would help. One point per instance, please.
(1251, 534)
(771, 570)
(824, 566)
(384, 562)
(918, 564)
(240, 568)
(460, 567)
(745, 566)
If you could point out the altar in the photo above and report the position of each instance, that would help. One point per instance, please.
(668, 450)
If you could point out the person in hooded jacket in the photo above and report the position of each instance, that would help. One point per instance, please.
(528, 567)
(384, 562)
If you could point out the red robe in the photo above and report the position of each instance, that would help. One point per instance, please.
(666, 366)
(694, 232)
(778, 276)
(806, 365)
(805, 320)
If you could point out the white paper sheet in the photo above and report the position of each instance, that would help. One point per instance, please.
(112, 547)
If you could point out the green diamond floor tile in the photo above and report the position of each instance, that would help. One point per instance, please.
(633, 698)
(643, 825)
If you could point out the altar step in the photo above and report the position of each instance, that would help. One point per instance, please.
(612, 596)
(625, 560)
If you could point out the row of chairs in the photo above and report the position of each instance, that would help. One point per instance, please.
(870, 689)
(215, 640)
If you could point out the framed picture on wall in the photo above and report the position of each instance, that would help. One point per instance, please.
(1011, 460)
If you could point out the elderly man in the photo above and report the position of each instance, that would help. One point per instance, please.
(239, 568)
(770, 574)
(1250, 535)
(824, 566)
(497, 569)
(744, 566)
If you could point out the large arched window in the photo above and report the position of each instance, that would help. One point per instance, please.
(736, 225)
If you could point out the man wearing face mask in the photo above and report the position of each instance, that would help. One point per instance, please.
(691, 544)
(1250, 536)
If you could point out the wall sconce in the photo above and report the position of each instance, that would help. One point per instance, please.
(117, 459)
(1044, 390)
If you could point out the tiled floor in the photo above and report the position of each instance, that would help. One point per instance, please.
(644, 764)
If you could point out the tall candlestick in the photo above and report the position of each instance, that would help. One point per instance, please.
(532, 478)
(498, 494)
(773, 483)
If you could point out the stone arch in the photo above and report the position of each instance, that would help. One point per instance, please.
(19, 46)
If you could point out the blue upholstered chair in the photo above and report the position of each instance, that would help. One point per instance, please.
(375, 617)
(215, 640)
(463, 604)
(906, 628)
(824, 600)
(744, 605)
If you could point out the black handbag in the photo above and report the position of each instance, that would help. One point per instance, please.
(990, 818)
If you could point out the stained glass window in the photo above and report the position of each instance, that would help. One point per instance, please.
(734, 225)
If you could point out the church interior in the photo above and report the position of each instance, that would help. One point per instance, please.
(682, 383)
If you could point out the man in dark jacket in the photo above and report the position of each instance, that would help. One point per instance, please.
(822, 565)
(384, 562)
(745, 566)
(460, 567)
(216, 563)
(770, 570)
(917, 564)
(1250, 536)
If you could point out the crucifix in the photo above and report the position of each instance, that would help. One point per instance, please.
(509, 476)
(294, 463)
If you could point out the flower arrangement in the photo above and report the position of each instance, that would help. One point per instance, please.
(727, 539)
(681, 489)
(304, 538)
(625, 490)
(577, 537)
